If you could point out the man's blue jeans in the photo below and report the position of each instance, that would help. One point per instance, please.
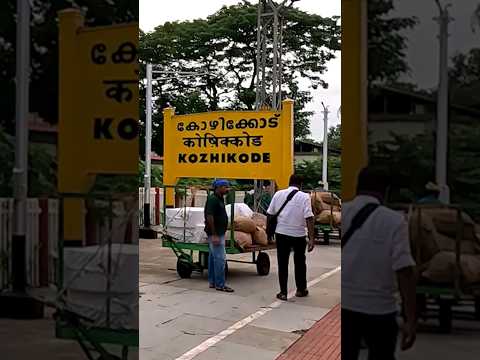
(216, 262)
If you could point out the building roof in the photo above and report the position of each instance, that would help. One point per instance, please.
(37, 124)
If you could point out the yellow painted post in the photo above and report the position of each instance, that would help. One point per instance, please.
(98, 110)
(69, 179)
(288, 155)
(169, 179)
(354, 87)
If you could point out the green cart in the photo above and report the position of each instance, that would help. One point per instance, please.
(187, 262)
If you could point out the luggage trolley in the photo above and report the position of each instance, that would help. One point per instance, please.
(185, 251)
(436, 299)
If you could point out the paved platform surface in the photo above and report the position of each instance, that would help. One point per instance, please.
(321, 342)
(182, 319)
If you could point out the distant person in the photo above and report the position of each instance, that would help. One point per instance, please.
(375, 250)
(321, 187)
(249, 198)
(294, 221)
(216, 224)
(266, 197)
(432, 193)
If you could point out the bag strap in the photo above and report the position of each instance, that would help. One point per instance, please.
(358, 221)
(289, 197)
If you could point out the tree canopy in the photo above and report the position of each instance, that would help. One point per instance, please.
(386, 41)
(44, 49)
(221, 49)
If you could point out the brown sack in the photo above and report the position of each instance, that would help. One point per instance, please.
(441, 268)
(325, 217)
(445, 221)
(243, 240)
(260, 237)
(329, 199)
(260, 220)
(471, 268)
(337, 218)
(244, 224)
(317, 204)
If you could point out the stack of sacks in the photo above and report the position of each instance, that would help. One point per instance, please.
(433, 244)
(240, 209)
(186, 224)
(326, 208)
(260, 220)
(250, 230)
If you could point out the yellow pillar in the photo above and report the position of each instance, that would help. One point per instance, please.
(69, 179)
(168, 178)
(288, 155)
(354, 86)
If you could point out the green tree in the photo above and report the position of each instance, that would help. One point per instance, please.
(386, 41)
(44, 50)
(41, 171)
(223, 47)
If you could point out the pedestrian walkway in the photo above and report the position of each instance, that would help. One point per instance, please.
(321, 342)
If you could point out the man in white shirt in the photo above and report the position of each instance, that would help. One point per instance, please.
(375, 253)
(293, 223)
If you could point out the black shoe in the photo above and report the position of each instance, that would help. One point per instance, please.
(225, 289)
(301, 293)
(282, 296)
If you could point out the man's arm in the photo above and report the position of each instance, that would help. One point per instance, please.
(404, 267)
(311, 233)
(407, 286)
(211, 227)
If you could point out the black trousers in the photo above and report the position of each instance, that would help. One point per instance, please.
(285, 244)
(379, 332)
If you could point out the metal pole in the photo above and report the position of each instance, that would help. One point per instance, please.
(148, 148)
(275, 58)
(442, 107)
(20, 170)
(325, 147)
(259, 55)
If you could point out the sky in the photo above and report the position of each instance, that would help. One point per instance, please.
(157, 12)
(423, 44)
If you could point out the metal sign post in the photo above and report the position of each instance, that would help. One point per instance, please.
(442, 106)
(325, 147)
(18, 304)
(148, 148)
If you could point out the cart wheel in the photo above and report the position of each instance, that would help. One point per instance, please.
(263, 264)
(184, 268)
(445, 316)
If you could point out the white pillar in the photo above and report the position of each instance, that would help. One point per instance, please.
(442, 109)
(325, 148)
(148, 147)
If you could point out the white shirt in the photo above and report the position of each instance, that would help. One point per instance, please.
(291, 221)
(371, 258)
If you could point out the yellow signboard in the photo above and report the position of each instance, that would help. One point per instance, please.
(98, 105)
(229, 144)
(354, 86)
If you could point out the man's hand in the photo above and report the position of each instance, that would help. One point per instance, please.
(409, 335)
(215, 240)
(311, 245)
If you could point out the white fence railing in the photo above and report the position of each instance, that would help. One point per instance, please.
(32, 254)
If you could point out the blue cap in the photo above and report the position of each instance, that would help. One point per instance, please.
(220, 182)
